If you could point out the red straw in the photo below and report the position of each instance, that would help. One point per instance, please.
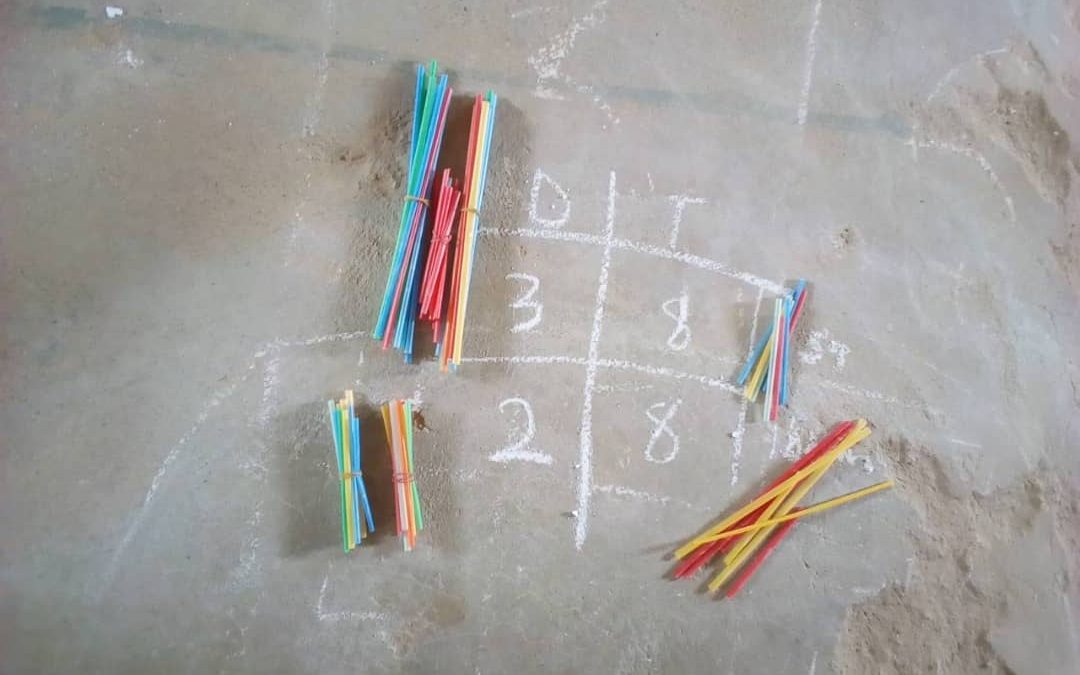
(704, 553)
(798, 309)
(761, 556)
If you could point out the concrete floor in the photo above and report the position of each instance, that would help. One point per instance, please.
(197, 205)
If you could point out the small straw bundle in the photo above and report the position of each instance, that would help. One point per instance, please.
(754, 527)
(476, 165)
(767, 369)
(345, 427)
(397, 416)
(397, 316)
(433, 289)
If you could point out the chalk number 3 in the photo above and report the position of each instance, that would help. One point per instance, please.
(526, 301)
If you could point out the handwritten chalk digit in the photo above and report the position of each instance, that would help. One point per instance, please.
(563, 209)
(661, 427)
(520, 440)
(677, 309)
(679, 202)
(526, 302)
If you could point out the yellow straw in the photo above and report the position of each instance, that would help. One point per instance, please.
(348, 470)
(470, 227)
(765, 515)
(753, 386)
(858, 433)
(735, 561)
(808, 511)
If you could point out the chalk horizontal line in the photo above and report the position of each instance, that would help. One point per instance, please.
(638, 247)
(614, 364)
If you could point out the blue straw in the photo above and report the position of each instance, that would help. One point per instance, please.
(745, 373)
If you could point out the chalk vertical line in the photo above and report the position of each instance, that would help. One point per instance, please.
(592, 365)
(808, 64)
(740, 425)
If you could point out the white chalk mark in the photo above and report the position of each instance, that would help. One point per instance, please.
(872, 395)
(661, 426)
(968, 444)
(983, 162)
(677, 309)
(174, 453)
(547, 61)
(705, 380)
(738, 435)
(529, 11)
(622, 491)
(793, 449)
(813, 664)
(775, 434)
(535, 219)
(940, 86)
(644, 249)
(648, 177)
(818, 344)
(679, 203)
(526, 302)
(322, 615)
(271, 382)
(615, 364)
(113, 12)
(525, 359)
(215, 400)
(518, 450)
(584, 491)
(641, 495)
(314, 104)
(808, 64)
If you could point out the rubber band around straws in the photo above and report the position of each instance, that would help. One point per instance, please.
(404, 479)
(411, 198)
(351, 474)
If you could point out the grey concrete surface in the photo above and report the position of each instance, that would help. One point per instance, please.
(197, 202)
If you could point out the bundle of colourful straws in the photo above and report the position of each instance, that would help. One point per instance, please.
(397, 416)
(423, 282)
(766, 372)
(761, 525)
(397, 316)
(433, 290)
(346, 430)
(476, 166)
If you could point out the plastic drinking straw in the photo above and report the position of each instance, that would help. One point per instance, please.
(857, 433)
(417, 164)
(704, 553)
(459, 249)
(778, 381)
(337, 455)
(470, 219)
(809, 510)
(409, 445)
(774, 343)
(754, 357)
(348, 469)
(800, 300)
(487, 124)
(431, 139)
(410, 516)
(760, 558)
(421, 111)
(790, 501)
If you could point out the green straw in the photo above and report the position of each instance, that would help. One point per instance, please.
(408, 445)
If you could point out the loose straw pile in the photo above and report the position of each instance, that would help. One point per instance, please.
(346, 430)
(759, 526)
(397, 416)
(397, 316)
(766, 372)
(476, 165)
